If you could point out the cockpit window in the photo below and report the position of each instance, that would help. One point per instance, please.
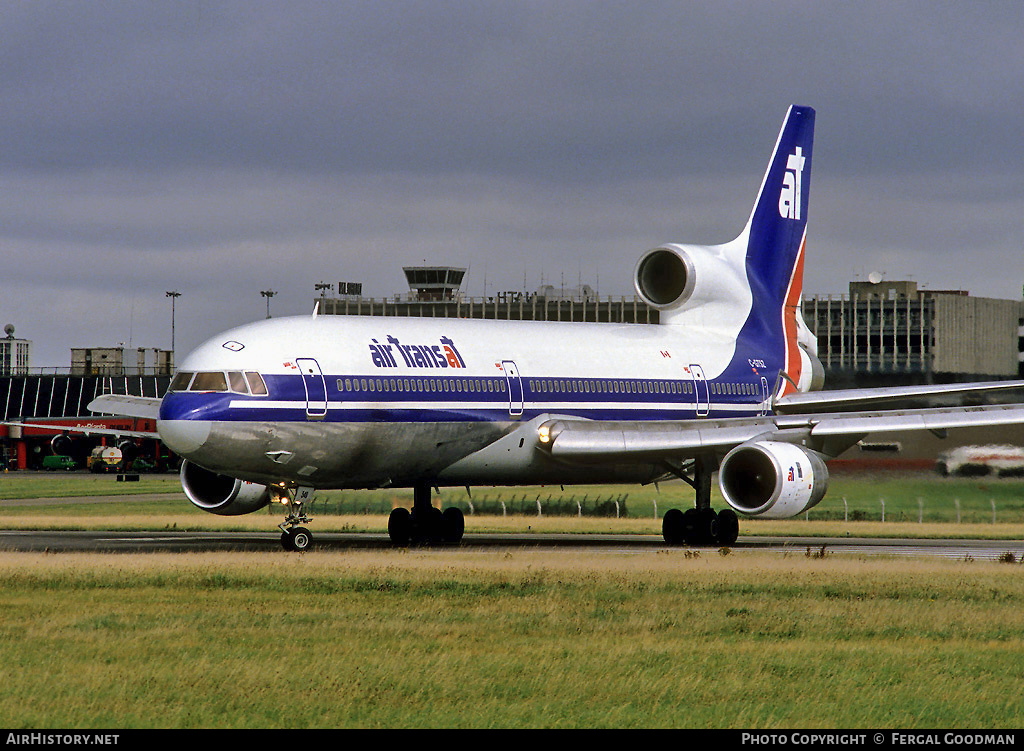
(236, 382)
(180, 381)
(209, 382)
(256, 384)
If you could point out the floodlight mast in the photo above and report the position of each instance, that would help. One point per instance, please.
(174, 295)
(268, 293)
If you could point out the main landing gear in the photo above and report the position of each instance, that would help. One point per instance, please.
(701, 525)
(425, 525)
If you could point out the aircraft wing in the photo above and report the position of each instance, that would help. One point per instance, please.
(138, 407)
(839, 399)
(86, 430)
(144, 407)
(594, 441)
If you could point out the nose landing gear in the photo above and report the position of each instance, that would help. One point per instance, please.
(293, 536)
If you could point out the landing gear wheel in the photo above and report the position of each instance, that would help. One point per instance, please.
(301, 538)
(296, 539)
(426, 526)
(728, 527)
(453, 525)
(701, 526)
(400, 526)
(672, 527)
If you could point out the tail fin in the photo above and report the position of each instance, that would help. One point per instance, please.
(776, 229)
(748, 289)
(775, 237)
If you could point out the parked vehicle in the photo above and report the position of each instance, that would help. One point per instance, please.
(105, 459)
(1005, 461)
(56, 461)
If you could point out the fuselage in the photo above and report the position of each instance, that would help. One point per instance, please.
(339, 401)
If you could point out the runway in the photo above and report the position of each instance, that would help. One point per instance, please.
(65, 541)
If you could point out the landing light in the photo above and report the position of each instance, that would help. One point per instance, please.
(544, 432)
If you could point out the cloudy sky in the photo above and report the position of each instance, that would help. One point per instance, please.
(220, 148)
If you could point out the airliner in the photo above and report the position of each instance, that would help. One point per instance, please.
(727, 382)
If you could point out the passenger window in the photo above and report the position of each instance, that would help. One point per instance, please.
(209, 382)
(256, 385)
(181, 381)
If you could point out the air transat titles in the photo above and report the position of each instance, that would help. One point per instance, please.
(443, 355)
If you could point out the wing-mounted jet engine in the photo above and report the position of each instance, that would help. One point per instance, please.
(220, 494)
(772, 479)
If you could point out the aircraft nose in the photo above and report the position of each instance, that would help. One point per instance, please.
(184, 437)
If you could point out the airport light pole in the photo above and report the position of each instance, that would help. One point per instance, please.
(174, 295)
(268, 293)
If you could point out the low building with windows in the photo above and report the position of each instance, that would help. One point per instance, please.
(894, 332)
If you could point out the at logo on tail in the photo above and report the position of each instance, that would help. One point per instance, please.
(789, 196)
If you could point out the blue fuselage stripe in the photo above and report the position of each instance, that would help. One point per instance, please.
(373, 398)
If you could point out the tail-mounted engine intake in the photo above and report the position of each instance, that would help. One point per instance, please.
(220, 494)
(772, 479)
(680, 277)
(665, 277)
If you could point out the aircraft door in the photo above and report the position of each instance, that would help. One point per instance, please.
(764, 395)
(702, 397)
(316, 387)
(515, 388)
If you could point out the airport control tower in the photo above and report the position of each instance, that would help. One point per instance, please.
(434, 282)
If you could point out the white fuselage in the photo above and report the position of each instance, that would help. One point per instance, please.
(364, 402)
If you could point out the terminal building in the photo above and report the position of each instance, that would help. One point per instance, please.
(888, 333)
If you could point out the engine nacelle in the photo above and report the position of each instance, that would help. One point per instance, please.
(129, 451)
(772, 479)
(61, 445)
(683, 277)
(665, 277)
(220, 494)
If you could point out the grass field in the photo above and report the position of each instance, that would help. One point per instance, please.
(521, 639)
(464, 638)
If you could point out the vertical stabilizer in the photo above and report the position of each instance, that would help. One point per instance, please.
(775, 237)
